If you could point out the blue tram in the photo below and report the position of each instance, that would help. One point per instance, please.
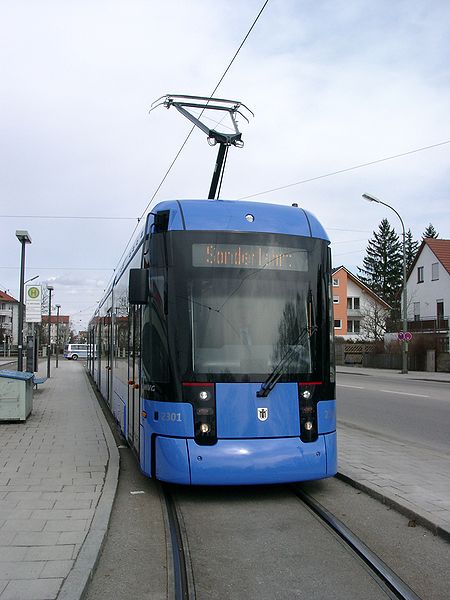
(213, 346)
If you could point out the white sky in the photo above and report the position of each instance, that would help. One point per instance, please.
(332, 84)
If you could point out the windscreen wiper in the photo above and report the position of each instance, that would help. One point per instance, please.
(275, 375)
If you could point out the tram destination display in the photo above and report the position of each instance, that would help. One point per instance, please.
(244, 256)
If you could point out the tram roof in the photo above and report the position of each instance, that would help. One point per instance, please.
(230, 215)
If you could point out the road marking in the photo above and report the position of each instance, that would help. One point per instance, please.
(404, 393)
(354, 387)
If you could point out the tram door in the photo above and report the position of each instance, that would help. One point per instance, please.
(134, 393)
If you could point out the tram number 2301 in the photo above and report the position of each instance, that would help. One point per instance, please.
(170, 416)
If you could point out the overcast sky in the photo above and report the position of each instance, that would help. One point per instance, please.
(333, 84)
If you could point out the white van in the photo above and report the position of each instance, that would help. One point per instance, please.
(75, 351)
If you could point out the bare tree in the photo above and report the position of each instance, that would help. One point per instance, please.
(373, 322)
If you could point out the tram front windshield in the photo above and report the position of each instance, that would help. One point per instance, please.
(242, 305)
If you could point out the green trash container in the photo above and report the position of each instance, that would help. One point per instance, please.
(16, 395)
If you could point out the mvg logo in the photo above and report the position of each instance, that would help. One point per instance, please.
(263, 413)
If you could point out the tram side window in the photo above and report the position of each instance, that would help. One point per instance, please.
(154, 335)
(105, 339)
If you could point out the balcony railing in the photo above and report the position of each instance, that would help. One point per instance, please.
(354, 312)
(429, 325)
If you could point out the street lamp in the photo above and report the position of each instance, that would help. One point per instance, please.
(24, 238)
(371, 198)
(31, 279)
(50, 289)
(58, 306)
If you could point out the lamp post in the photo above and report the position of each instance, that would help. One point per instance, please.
(50, 289)
(58, 306)
(24, 238)
(371, 198)
(31, 279)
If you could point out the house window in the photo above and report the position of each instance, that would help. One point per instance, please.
(335, 299)
(416, 311)
(353, 326)
(337, 324)
(419, 274)
(440, 309)
(2, 318)
(434, 271)
(2, 306)
(335, 282)
(353, 303)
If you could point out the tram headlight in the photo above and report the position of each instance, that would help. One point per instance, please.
(202, 397)
(308, 395)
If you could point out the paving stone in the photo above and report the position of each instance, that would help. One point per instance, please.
(62, 514)
(24, 525)
(72, 537)
(73, 503)
(34, 589)
(20, 569)
(12, 553)
(61, 525)
(43, 538)
(57, 568)
(61, 552)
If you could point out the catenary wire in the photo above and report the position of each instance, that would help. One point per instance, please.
(201, 113)
(354, 167)
(192, 129)
(325, 175)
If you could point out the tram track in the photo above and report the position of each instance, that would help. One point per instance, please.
(183, 581)
(378, 567)
(248, 523)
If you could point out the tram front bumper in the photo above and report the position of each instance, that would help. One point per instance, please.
(245, 462)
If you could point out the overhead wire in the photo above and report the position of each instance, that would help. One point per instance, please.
(192, 129)
(201, 113)
(354, 167)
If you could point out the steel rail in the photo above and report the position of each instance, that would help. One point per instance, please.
(183, 584)
(393, 582)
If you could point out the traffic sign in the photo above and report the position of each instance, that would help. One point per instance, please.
(404, 336)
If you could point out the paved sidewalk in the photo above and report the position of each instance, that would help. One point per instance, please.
(415, 481)
(58, 476)
(394, 374)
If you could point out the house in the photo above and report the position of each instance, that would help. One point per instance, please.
(358, 312)
(63, 328)
(9, 319)
(428, 290)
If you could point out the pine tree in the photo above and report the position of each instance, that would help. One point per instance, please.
(411, 249)
(430, 232)
(382, 269)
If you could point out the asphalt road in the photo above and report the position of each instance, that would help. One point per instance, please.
(406, 410)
